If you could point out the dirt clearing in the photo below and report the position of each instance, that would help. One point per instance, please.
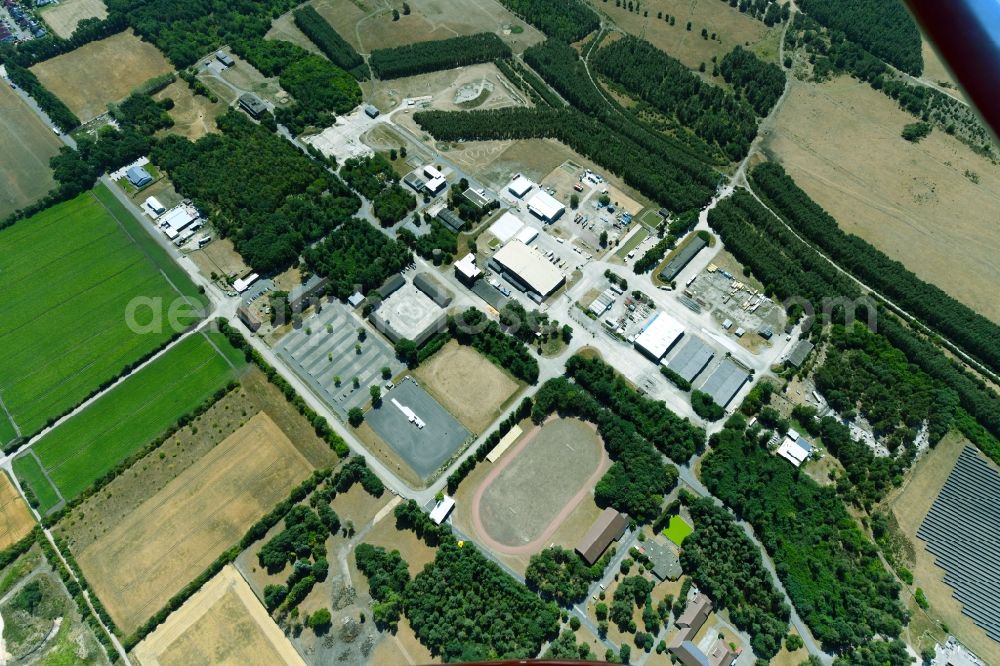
(15, 518)
(65, 16)
(222, 623)
(90, 77)
(28, 143)
(155, 550)
(479, 87)
(931, 205)
(457, 372)
(193, 115)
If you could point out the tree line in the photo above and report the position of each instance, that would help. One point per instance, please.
(829, 568)
(474, 329)
(422, 57)
(356, 256)
(759, 83)
(87, 30)
(570, 21)
(713, 114)
(336, 48)
(64, 119)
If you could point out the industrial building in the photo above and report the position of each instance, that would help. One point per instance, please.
(466, 270)
(138, 176)
(242, 284)
(520, 186)
(409, 313)
(795, 448)
(725, 382)
(658, 336)
(545, 206)
(253, 105)
(799, 352)
(527, 234)
(433, 289)
(690, 359)
(506, 227)
(177, 221)
(451, 220)
(435, 179)
(602, 303)
(154, 207)
(609, 526)
(683, 258)
(414, 180)
(527, 270)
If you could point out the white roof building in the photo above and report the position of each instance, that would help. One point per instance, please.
(466, 267)
(658, 336)
(520, 186)
(436, 184)
(154, 207)
(442, 509)
(506, 227)
(528, 267)
(795, 450)
(527, 234)
(545, 206)
(177, 220)
(242, 285)
(432, 172)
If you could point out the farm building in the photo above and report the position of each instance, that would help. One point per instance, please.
(527, 270)
(545, 206)
(683, 258)
(138, 176)
(725, 382)
(520, 186)
(371, 111)
(442, 509)
(253, 105)
(466, 270)
(795, 449)
(224, 58)
(609, 526)
(658, 336)
(449, 219)
(506, 227)
(690, 359)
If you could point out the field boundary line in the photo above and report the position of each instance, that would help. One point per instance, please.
(218, 351)
(10, 417)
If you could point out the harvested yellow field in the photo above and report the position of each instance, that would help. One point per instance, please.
(65, 16)
(15, 517)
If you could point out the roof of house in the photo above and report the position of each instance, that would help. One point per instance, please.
(545, 205)
(529, 266)
(658, 335)
(608, 527)
(720, 654)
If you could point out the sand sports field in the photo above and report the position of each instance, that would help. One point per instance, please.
(28, 143)
(919, 203)
(537, 484)
(170, 538)
(90, 77)
(222, 623)
(67, 14)
(15, 518)
(457, 372)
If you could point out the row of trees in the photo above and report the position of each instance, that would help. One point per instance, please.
(357, 256)
(965, 327)
(676, 437)
(654, 255)
(760, 83)
(829, 568)
(423, 57)
(528, 81)
(570, 22)
(87, 30)
(714, 115)
(58, 112)
(327, 40)
(726, 565)
(523, 411)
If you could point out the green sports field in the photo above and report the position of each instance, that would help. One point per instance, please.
(678, 530)
(87, 446)
(69, 274)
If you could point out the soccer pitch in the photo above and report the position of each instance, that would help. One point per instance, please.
(124, 420)
(69, 274)
(678, 530)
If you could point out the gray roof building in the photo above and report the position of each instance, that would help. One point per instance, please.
(436, 291)
(723, 384)
(252, 104)
(224, 58)
(609, 526)
(799, 352)
(690, 359)
(677, 264)
(450, 220)
(138, 176)
(371, 111)
(666, 564)
(415, 181)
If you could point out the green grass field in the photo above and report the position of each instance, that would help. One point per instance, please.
(7, 432)
(69, 273)
(87, 446)
(633, 242)
(677, 530)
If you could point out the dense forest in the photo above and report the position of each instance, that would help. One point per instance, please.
(654, 168)
(829, 569)
(560, 574)
(327, 40)
(713, 114)
(388, 577)
(423, 57)
(374, 178)
(356, 256)
(439, 245)
(759, 83)
(573, 20)
(528, 81)
(883, 27)
(473, 328)
(966, 328)
(676, 437)
(726, 565)
(258, 190)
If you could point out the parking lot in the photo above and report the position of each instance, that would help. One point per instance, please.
(423, 449)
(323, 348)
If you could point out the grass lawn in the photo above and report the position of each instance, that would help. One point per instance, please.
(7, 432)
(678, 530)
(29, 472)
(633, 242)
(69, 275)
(90, 444)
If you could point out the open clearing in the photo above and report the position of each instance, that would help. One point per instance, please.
(171, 537)
(222, 623)
(64, 17)
(15, 518)
(443, 87)
(536, 484)
(910, 505)
(65, 335)
(28, 143)
(122, 421)
(90, 77)
(368, 24)
(457, 372)
(730, 27)
(193, 115)
(919, 203)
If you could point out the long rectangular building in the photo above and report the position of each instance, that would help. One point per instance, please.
(690, 359)
(658, 336)
(527, 269)
(725, 382)
(608, 527)
(677, 264)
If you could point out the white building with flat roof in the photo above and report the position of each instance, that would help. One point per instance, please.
(506, 227)
(154, 207)
(527, 269)
(243, 284)
(527, 234)
(658, 336)
(466, 269)
(520, 186)
(177, 220)
(545, 206)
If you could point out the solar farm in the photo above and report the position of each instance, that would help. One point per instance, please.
(962, 530)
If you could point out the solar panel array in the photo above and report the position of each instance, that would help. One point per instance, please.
(962, 531)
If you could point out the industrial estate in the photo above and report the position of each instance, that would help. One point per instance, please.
(373, 332)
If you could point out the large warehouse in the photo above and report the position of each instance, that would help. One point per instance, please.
(545, 206)
(690, 359)
(527, 270)
(724, 383)
(658, 336)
